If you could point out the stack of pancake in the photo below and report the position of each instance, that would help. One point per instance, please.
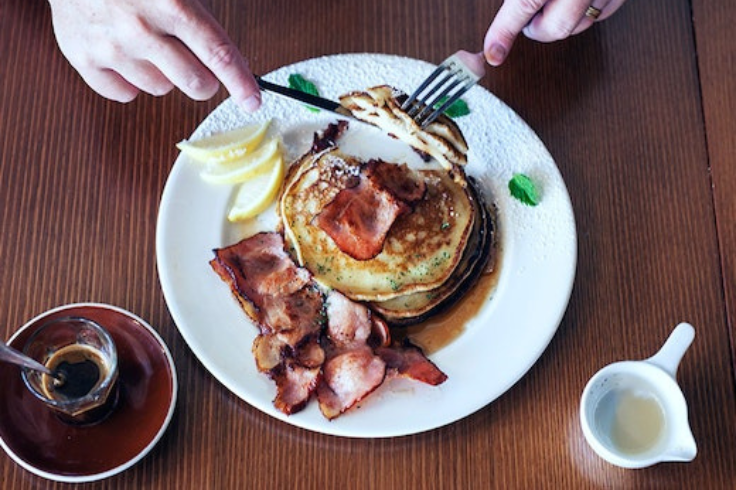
(406, 241)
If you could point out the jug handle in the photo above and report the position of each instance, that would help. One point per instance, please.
(670, 354)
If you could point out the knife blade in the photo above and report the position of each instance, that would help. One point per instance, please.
(309, 99)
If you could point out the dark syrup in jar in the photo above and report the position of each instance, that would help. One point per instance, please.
(78, 370)
(75, 379)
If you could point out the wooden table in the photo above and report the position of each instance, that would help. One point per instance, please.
(639, 113)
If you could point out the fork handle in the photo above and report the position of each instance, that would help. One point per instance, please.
(476, 62)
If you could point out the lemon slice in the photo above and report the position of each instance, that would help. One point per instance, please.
(227, 146)
(257, 193)
(244, 168)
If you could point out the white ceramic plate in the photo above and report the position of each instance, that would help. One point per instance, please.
(498, 346)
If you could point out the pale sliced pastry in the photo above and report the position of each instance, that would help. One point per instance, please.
(442, 139)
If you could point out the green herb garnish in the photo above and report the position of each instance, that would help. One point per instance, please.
(523, 189)
(457, 109)
(298, 82)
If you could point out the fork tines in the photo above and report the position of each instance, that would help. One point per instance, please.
(446, 84)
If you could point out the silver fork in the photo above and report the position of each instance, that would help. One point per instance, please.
(452, 78)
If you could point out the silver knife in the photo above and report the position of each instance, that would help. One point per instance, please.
(309, 99)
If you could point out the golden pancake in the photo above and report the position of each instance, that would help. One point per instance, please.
(478, 257)
(420, 252)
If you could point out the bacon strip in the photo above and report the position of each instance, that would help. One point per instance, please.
(351, 370)
(341, 360)
(408, 360)
(259, 268)
(397, 179)
(328, 138)
(284, 302)
(348, 378)
(349, 324)
(294, 386)
(359, 218)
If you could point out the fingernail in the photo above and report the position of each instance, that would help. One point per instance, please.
(252, 103)
(496, 54)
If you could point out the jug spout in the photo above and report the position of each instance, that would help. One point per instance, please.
(683, 447)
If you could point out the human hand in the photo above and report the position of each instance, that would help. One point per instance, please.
(541, 20)
(124, 47)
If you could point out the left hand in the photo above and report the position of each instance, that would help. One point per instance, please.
(541, 20)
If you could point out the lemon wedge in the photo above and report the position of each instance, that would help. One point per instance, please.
(244, 168)
(258, 192)
(227, 146)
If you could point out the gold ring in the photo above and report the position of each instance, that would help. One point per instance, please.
(593, 12)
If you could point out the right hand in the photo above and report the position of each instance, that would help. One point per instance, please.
(124, 47)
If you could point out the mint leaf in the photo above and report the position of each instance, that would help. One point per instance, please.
(298, 82)
(457, 109)
(523, 189)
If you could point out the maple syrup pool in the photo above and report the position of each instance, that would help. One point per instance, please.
(440, 330)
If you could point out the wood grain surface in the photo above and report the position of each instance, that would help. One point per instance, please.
(639, 113)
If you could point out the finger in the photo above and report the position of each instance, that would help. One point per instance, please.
(110, 85)
(177, 63)
(607, 9)
(611, 7)
(147, 77)
(208, 41)
(556, 21)
(589, 20)
(508, 23)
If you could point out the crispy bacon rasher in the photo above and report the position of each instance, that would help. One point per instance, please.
(286, 305)
(308, 343)
(360, 216)
(351, 369)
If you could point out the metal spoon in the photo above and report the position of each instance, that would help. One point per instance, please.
(13, 356)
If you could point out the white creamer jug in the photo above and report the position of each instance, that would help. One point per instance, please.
(633, 413)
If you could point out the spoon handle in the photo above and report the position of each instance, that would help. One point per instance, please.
(11, 355)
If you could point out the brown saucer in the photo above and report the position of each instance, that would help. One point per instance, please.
(37, 440)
